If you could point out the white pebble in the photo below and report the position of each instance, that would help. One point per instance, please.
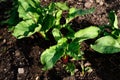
(20, 70)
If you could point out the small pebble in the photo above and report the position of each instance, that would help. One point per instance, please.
(37, 78)
(5, 69)
(87, 64)
(80, 0)
(91, 1)
(101, 2)
(76, 70)
(88, 4)
(17, 53)
(20, 70)
(4, 41)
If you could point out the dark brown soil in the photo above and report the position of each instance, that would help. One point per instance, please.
(19, 59)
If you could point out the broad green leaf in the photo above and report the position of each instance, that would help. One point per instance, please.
(73, 13)
(62, 6)
(118, 39)
(50, 56)
(70, 67)
(74, 50)
(106, 45)
(57, 34)
(113, 19)
(87, 33)
(26, 11)
(26, 29)
(48, 22)
(31, 3)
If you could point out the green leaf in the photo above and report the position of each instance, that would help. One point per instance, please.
(70, 67)
(113, 19)
(118, 39)
(48, 22)
(57, 34)
(87, 33)
(106, 45)
(73, 12)
(62, 6)
(26, 11)
(74, 50)
(26, 29)
(50, 56)
(33, 3)
(51, 7)
(62, 40)
(58, 17)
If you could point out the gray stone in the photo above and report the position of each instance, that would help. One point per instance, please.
(21, 70)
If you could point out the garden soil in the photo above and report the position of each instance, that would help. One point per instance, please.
(19, 59)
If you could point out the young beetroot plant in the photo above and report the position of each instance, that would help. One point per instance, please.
(109, 39)
(36, 18)
(64, 48)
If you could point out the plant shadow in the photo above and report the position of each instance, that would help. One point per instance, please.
(106, 66)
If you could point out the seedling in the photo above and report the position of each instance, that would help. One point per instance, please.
(36, 18)
(109, 39)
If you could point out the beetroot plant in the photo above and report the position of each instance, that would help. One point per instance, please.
(33, 17)
(109, 40)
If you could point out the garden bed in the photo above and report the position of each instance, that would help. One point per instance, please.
(20, 59)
